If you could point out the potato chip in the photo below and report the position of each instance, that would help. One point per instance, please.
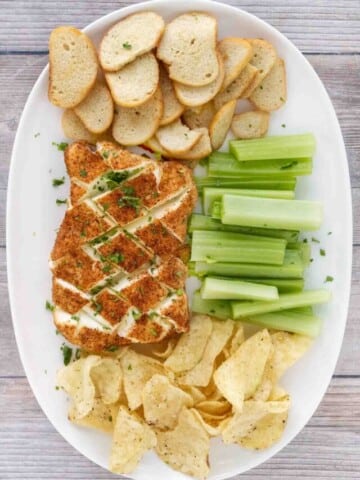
(214, 407)
(137, 370)
(107, 378)
(163, 402)
(241, 424)
(101, 416)
(76, 381)
(238, 338)
(214, 420)
(239, 376)
(268, 431)
(191, 345)
(131, 439)
(201, 373)
(195, 392)
(186, 448)
(287, 349)
(210, 429)
(164, 350)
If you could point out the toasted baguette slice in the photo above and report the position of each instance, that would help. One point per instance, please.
(196, 96)
(271, 93)
(252, 85)
(135, 83)
(97, 110)
(188, 46)
(177, 138)
(133, 126)
(199, 117)
(135, 35)
(263, 58)
(220, 124)
(201, 149)
(173, 109)
(236, 53)
(73, 66)
(74, 128)
(237, 87)
(250, 124)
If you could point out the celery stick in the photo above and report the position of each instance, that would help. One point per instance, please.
(211, 195)
(215, 288)
(284, 285)
(303, 248)
(286, 301)
(216, 211)
(292, 267)
(203, 222)
(271, 213)
(243, 253)
(213, 238)
(225, 165)
(270, 182)
(216, 308)
(289, 321)
(281, 146)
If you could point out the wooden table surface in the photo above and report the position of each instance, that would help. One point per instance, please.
(328, 33)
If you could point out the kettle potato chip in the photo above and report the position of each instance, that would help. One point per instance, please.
(186, 448)
(239, 376)
(163, 402)
(107, 378)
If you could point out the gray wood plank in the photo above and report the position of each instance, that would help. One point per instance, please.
(327, 448)
(319, 26)
(349, 362)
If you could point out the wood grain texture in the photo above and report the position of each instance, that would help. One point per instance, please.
(31, 449)
(329, 32)
(314, 26)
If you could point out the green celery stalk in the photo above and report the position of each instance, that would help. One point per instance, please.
(225, 165)
(289, 321)
(203, 222)
(216, 211)
(217, 238)
(270, 182)
(303, 248)
(286, 301)
(284, 285)
(280, 146)
(215, 288)
(271, 213)
(211, 195)
(246, 252)
(216, 308)
(292, 267)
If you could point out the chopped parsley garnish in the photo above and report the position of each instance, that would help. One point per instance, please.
(58, 181)
(101, 239)
(129, 367)
(282, 99)
(113, 179)
(315, 240)
(179, 291)
(329, 278)
(37, 135)
(289, 165)
(83, 173)
(158, 156)
(49, 306)
(112, 348)
(116, 257)
(106, 268)
(305, 240)
(98, 307)
(129, 201)
(105, 154)
(329, 233)
(127, 46)
(106, 206)
(77, 354)
(67, 353)
(322, 252)
(153, 315)
(110, 418)
(59, 201)
(60, 146)
(137, 315)
(283, 125)
(153, 332)
(96, 290)
(76, 318)
(128, 189)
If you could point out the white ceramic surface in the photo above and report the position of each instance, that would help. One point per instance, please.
(33, 216)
